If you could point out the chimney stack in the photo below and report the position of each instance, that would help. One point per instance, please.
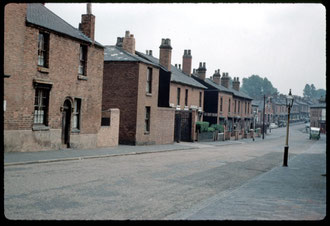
(119, 42)
(186, 62)
(236, 84)
(87, 25)
(225, 79)
(165, 53)
(216, 76)
(201, 71)
(129, 43)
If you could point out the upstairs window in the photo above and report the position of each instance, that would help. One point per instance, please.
(229, 106)
(82, 60)
(178, 96)
(200, 99)
(221, 101)
(186, 98)
(43, 49)
(149, 80)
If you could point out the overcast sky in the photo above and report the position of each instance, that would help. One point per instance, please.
(283, 42)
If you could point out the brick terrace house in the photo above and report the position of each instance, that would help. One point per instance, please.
(53, 91)
(225, 105)
(318, 115)
(141, 92)
(186, 94)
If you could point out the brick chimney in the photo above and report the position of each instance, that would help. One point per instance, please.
(165, 53)
(216, 76)
(186, 62)
(225, 79)
(201, 71)
(129, 43)
(236, 84)
(87, 25)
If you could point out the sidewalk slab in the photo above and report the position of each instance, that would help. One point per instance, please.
(296, 192)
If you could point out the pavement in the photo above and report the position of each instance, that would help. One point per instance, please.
(19, 158)
(296, 192)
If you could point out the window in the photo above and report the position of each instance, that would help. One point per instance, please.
(235, 107)
(76, 114)
(186, 98)
(178, 96)
(221, 104)
(41, 106)
(147, 120)
(200, 99)
(239, 105)
(229, 106)
(43, 44)
(149, 80)
(82, 60)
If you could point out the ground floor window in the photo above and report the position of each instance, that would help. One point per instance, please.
(147, 120)
(41, 102)
(76, 114)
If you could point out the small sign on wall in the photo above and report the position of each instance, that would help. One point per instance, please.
(4, 105)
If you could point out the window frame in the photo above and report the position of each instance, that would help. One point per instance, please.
(43, 49)
(41, 106)
(82, 68)
(149, 81)
(178, 95)
(186, 97)
(147, 120)
(76, 115)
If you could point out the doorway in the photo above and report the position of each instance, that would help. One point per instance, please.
(66, 123)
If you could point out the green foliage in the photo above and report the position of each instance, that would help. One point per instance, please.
(255, 86)
(218, 127)
(311, 92)
(202, 126)
(210, 129)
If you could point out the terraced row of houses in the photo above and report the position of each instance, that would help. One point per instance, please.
(63, 89)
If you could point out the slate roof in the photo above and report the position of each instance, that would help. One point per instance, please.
(319, 105)
(177, 75)
(221, 88)
(39, 15)
(115, 53)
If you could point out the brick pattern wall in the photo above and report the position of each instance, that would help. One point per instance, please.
(120, 90)
(21, 43)
(193, 95)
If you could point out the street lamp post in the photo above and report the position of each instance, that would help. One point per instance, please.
(289, 103)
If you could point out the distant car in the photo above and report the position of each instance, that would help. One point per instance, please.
(272, 126)
(314, 133)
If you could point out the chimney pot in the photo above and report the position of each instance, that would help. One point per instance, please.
(87, 25)
(150, 52)
(189, 52)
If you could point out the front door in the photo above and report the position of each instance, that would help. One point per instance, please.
(66, 123)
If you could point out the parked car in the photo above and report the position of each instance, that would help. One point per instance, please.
(281, 123)
(314, 133)
(272, 126)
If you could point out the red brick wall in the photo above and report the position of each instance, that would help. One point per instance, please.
(120, 90)
(21, 43)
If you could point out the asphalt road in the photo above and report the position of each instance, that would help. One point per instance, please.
(151, 186)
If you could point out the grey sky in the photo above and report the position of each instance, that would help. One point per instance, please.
(283, 42)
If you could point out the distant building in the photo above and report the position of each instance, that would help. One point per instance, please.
(318, 115)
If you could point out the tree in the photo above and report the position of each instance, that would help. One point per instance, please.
(313, 91)
(256, 87)
(307, 91)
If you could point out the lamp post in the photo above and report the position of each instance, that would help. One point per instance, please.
(263, 119)
(289, 103)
